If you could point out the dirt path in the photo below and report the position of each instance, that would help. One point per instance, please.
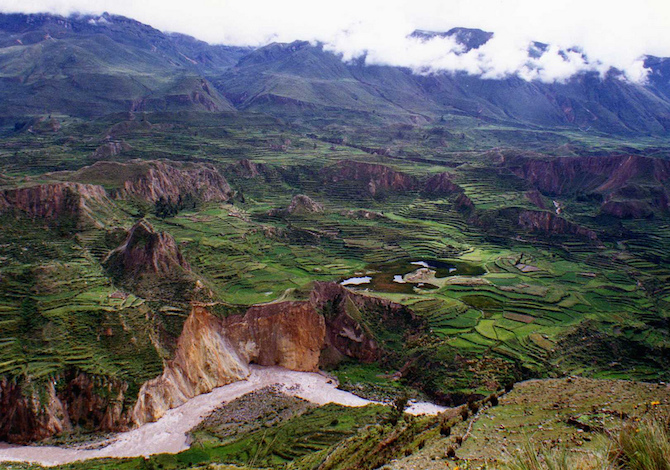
(168, 434)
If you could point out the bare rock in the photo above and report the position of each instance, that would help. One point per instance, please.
(146, 252)
(301, 204)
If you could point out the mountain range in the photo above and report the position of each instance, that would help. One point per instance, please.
(89, 66)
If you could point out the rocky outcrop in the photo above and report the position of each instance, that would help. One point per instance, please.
(631, 185)
(563, 175)
(348, 334)
(85, 204)
(129, 126)
(463, 203)
(441, 185)
(509, 221)
(300, 335)
(204, 359)
(187, 94)
(301, 204)
(155, 179)
(149, 264)
(549, 223)
(111, 149)
(376, 179)
(30, 412)
(245, 168)
(26, 417)
(146, 252)
(213, 351)
(39, 125)
(286, 334)
(535, 197)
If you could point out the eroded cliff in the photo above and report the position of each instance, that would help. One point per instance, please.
(37, 410)
(375, 179)
(151, 180)
(84, 204)
(204, 359)
(214, 351)
(441, 185)
(631, 186)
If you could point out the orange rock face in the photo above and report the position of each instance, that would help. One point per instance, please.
(212, 352)
(204, 360)
(286, 334)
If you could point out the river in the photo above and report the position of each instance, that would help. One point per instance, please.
(169, 433)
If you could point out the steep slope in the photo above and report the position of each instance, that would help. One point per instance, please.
(371, 179)
(629, 186)
(82, 205)
(90, 66)
(151, 180)
(149, 263)
(285, 78)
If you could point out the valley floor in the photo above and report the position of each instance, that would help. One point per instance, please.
(169, 434)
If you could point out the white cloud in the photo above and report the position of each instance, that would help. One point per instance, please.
(611, 33)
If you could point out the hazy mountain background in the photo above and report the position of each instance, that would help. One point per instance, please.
(88, 66)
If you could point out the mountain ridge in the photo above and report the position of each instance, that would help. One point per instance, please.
(90, 66)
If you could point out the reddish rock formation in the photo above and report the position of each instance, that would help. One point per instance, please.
(27, 414)
(151, 180)
(463, 203)
(643, 181)
(376, 178)
(549, 223)
(564, 175)
(211, 351)
(146, 252)
(286, 334)
(52, 201)
(94, 404)
(441, 185)
(536, 198)
(346, 332)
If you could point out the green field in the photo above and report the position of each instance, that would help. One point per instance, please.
(525, 304)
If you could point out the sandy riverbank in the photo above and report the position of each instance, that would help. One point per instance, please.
(168, 434)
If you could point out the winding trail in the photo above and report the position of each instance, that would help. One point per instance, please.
(168, 434)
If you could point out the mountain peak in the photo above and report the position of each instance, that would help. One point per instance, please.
(470, 38)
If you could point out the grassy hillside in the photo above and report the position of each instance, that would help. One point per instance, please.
(505, 302)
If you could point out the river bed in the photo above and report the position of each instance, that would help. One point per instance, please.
(169, 434)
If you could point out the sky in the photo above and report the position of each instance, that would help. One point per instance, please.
(585, 35)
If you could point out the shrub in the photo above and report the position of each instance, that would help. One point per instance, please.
(643, 445)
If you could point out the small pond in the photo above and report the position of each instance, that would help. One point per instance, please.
(392, 277)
